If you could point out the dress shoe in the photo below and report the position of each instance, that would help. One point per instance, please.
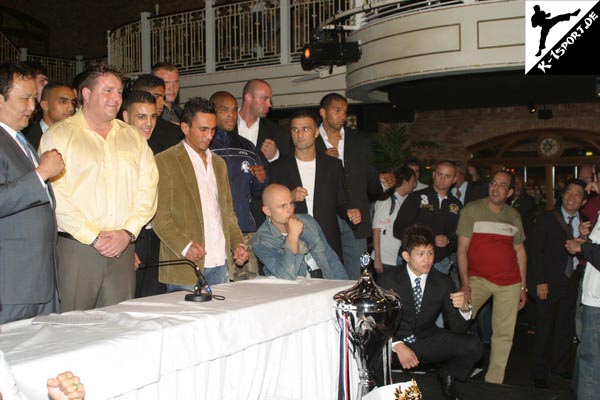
(540, 383)
(576, 13)
(448, 385)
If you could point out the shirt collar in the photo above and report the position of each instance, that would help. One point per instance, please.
(566, 215)
(241, 121)
(412, 277)
(44, 126)
(194, 154)
(323, 133)
(10, 130)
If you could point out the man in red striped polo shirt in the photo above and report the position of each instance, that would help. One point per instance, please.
(493, 263)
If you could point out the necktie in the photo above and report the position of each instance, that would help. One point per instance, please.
(27, 149)
(418, 295)
(458, 193)
(570, 260)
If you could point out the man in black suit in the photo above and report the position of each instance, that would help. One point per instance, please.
(557, 276)
(425, 293)
(27, 222)
(524, 204)
(165, 133)
(58, 103)
(316, 180)
(268, 137)
(467, 191)
(356, 154)
(141, 112)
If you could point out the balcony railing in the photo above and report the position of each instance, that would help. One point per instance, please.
(60, 70)
(222, 36)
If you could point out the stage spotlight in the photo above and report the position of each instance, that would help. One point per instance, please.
(328, 54)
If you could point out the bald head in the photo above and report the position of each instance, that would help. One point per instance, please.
(278, 205)
(272, 191)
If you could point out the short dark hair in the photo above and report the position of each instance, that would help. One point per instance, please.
(403, 174)
(163, 65)
(139, 96)
(577, 182)
(328, 98)
(50, 86)
(251, 84)
(95, 71)
(416, 236)
(196, 105)
(10, 71)
(148, 82)
(305, 114)
(220, 93)
(37, 67)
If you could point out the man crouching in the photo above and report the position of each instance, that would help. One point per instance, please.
(292, 245)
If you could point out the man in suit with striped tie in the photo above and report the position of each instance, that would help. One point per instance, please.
(27, 221)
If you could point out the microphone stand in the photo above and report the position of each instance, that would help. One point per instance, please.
(201, 283)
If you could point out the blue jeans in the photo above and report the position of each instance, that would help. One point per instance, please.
(588, 385)
(352, 249)
(214, 276)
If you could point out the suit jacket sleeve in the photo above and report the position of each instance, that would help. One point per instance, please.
(452, 316)
(536, 261)
(163, 223)
(374, 188)
(406, 215)
(343, 202)
(19, 194)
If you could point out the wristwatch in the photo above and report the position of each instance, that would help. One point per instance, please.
(131, 236)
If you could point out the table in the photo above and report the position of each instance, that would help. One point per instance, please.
(269, 339)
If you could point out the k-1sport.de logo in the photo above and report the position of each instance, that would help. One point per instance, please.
(561, 37)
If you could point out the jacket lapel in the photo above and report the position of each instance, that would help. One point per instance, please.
(189, 176)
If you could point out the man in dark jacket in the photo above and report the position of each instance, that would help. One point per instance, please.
(247, 176)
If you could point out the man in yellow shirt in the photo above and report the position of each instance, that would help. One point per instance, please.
(106, 195)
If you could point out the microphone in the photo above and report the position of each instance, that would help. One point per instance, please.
(201, 283)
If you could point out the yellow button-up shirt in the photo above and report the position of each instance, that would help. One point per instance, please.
(108, 183)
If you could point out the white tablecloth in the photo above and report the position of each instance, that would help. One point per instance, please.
(270, 339)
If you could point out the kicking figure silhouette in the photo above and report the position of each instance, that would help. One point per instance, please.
(541, 18)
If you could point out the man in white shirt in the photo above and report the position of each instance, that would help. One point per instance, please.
(385, 246)
(195, 217)
(356, 153)
(316, 180)
(268, 137)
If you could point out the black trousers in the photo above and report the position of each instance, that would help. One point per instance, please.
(555, 328)
(147, 247)
(457, 352)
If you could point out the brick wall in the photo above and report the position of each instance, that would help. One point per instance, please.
(454, 130)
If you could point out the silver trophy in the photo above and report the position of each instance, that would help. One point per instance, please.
(371, 315)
